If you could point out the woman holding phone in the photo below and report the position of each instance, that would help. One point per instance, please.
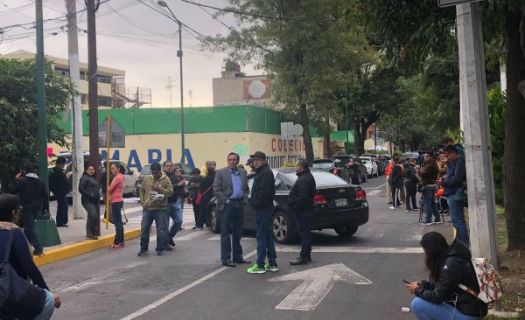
(440, 297)
(117, 201)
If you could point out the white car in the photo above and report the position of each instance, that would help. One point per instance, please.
(371, 166)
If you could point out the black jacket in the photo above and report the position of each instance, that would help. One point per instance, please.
(58, 182)
(301, 198)
(396, 176)
(89, 188)
(31, 191)
(457, 269)
(263, 190)
(178, 191)
(410, 174)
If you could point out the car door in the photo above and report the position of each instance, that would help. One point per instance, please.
(129, 179)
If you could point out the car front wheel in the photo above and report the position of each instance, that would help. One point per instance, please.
(346, 231)
(283, 228)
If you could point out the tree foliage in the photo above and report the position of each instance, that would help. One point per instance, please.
(18, 113)
(311, 50)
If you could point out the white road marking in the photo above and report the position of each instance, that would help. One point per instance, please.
(378, 187)
(316, 284)
(106, 277)
(189, 236)
(217, 237)
(178, 292)
(407, 250)
(374, 192)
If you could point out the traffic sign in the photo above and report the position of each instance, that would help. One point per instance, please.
(118, 135)
(449, 3)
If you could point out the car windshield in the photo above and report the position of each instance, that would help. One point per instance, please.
(322, 179)
(322, 165)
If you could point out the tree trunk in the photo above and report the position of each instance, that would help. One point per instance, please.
(305, 122)
(327, 143)
(359, 137)
(514, 156)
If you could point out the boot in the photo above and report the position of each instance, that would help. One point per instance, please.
(299, 261)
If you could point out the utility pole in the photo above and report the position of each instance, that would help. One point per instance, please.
(179, 54)
(170, 87)
(94, 157)
(76, 107)
(481, 203)
(41, 95)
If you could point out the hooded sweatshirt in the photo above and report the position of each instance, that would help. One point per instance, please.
(31, 191)
(155, 200)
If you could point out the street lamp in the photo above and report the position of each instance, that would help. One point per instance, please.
(179, 54)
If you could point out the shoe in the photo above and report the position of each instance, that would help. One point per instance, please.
(425, 223)
(390, 202)
(271, 268)
(91, 238)
(255, 269)
(142, 253)
(194, 228)
(228, 263)
(438, 222)
(200, 228)
(242, 261)
(160, 253)
(62, 225)
(167, 248)
(299, 261)
(392, 208)
(117, 246)
(172, 243)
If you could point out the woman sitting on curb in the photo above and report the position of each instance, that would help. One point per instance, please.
(39, 302)
(440, 297)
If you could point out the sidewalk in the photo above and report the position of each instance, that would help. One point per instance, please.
(73, 237)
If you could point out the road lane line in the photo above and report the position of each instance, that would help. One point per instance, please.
(407, 250)
(178, 292)
(374, 192)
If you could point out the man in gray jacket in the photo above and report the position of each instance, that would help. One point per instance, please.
(231, 191)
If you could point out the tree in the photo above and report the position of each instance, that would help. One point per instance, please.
(409, 32)
(18, 113)
(311, 49)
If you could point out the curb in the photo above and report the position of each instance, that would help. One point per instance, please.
(79, 248)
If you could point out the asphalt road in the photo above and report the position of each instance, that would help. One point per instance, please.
(355, 278)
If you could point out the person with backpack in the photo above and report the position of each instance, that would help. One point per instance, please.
(23, 300)
(450, 267)
(411, 180)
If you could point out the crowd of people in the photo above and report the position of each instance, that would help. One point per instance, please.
(440, 176)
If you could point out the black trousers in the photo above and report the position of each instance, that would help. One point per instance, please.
(29, 214)
(411, 191)
(203, 210)
(395, 195)
(62, 209)
(93, 218)
(304, 223)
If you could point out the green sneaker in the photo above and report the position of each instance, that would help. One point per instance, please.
(255, 269)
(271, 268)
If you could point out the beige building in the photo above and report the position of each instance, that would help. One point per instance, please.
(110, 81)
(235, 88)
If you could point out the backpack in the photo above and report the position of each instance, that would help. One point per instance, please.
(14, 291)
(489, 281)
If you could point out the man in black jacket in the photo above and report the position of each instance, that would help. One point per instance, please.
(396, 181)
(263, 192)
(301, 203)
(33, 198)
(59, 184)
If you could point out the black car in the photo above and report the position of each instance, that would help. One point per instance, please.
(338, 205)
(334, 166)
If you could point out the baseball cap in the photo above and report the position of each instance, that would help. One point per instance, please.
(258, 154)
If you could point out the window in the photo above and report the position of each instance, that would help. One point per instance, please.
(104, 101)
(322, 179)
(62, 71)
(103, 79)
(322, 165)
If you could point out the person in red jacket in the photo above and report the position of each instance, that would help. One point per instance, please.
(388, 171)
(117, 201)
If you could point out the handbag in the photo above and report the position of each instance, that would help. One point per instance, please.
(198, 199)
(15, 292)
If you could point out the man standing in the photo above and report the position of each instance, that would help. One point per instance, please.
(263, 192)
(156, 188)
(205, 194)
(33, 198)
(455, 185)
(301, 204)
(59, 185)
(428, 177)
(174, 209)
(396, 180)
(231, 191)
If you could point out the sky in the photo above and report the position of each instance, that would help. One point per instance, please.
(134, 38)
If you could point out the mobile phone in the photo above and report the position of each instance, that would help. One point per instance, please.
(405, 281)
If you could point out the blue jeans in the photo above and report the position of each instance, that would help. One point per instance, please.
(429, 201)
(49, 307)
(116, 217)
(457, 215)
(425, 310)
(264, 236)
(159, 216)
(232, 222)
(174, 211)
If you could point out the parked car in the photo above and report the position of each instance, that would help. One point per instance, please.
(348, 158)
(138, 184)
(379, 161)
(334, 166)
(338, 205)
(129, 177)
(371, 166)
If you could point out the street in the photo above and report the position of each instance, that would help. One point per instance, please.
(355, 278)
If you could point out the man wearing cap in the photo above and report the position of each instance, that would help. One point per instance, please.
(231, 191)
(263, 192)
